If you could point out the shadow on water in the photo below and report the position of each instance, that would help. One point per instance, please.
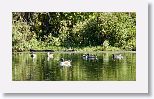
(105, 68)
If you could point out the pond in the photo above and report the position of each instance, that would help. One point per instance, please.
(43, 68)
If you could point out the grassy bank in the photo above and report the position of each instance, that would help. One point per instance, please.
(58, 48)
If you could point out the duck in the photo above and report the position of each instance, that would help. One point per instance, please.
(90, 57)
(65, 63)
(118, 57)
(33, 55)
(50, 55)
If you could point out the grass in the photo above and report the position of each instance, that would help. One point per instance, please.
(92, 48)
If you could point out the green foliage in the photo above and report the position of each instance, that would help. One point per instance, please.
(22, 38)
(77, 30)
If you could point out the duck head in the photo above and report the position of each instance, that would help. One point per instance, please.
(62, 59)
(48, 53)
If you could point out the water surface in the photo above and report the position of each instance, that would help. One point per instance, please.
(42, 68)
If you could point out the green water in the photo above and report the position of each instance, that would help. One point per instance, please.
(25, 68)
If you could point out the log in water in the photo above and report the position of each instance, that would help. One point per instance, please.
(33, 50)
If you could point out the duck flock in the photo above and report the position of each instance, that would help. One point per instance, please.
(67, 63)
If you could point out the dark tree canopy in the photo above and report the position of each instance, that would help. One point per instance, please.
(77, 30)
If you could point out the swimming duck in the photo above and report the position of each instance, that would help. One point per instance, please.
(65, 63)
(50, 55)
(33, 55)
(119, 57)
(90, 57)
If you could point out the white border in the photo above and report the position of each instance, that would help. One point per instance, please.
(9, 86)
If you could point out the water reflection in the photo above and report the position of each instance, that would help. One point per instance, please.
(44, 68)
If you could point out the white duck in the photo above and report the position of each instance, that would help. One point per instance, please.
(119, 57)
(65, 63)
(50, 56)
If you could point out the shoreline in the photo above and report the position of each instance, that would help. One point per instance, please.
(82, 52)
